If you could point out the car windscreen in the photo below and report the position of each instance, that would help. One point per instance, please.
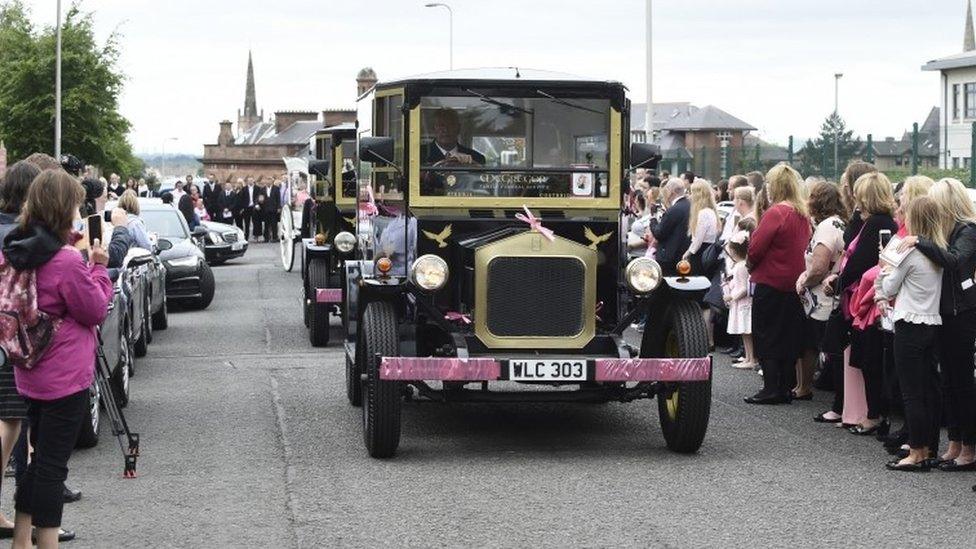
(496, 146)
(165, 223)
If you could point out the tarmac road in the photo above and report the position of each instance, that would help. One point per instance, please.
(248, 441)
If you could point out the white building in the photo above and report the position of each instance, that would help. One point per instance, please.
(957, 94)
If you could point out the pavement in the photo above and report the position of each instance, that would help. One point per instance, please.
(248, 440)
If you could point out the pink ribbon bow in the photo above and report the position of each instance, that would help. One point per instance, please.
(457, 317)
(535, 224)
(368, 207)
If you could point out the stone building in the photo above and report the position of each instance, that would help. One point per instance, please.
(258, 146)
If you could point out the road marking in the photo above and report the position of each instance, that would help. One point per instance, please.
(286, 451)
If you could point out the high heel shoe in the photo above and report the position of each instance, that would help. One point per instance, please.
(819, 418)
(918, 467)
(878, 429)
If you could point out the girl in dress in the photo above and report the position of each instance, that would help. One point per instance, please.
(738, 299)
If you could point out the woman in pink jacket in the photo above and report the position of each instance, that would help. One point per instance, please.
(56, 388)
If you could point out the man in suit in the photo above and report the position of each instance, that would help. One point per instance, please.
(671, 233)
(272, 211)
(445, 149)
(250, 205)
(209, 194)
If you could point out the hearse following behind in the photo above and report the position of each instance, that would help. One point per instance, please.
(490, 252)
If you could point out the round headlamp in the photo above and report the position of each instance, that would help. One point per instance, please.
(643, 275)
(429, 272)
(345, 242)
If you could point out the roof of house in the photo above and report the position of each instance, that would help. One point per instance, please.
(255, 134)
(955, 61)
(298, 133)
(684, 116)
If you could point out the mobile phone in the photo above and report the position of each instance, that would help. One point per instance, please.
(108, 216)
(94, 223)
(884, 236)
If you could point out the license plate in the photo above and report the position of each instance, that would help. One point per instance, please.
(237, 246)
(547, 370)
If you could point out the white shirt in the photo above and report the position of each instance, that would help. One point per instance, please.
(250, 195)
(446, 152)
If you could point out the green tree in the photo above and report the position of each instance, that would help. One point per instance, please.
(817, 155)
(92, 127)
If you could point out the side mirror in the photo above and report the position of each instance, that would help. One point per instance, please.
(378, 150)
(320, 168)
(644, 155)
(163, 245)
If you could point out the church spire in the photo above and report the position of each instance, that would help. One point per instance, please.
(250, 100)
(968, 41)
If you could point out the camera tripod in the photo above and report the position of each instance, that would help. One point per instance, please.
(128, 441)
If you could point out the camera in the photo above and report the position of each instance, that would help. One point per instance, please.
(72, 164)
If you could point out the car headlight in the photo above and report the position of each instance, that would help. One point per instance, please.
(643, 275)
(216, 237)
(429, 272)
(190, 261)
(345, 242)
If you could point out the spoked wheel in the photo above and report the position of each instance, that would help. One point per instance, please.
(120, 379)
(381, 399)
(286, 238)
(684, 407)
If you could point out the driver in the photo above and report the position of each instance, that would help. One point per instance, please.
(445, 148)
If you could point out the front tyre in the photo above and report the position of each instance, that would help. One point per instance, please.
(207, 288)
(88, 435)
(684, 407)
(381, 399)
(160, 319)
(317, 313)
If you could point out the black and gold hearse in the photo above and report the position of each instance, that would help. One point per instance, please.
(489, 254)
(327, 223)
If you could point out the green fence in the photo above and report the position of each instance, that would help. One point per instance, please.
(917, 152)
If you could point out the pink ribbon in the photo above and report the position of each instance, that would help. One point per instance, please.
(457, 317)
(368, 208)
(535, 224)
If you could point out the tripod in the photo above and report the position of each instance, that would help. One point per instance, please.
(128, 441)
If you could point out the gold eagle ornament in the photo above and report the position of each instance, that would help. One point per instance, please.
(440, 239)
(595, 240)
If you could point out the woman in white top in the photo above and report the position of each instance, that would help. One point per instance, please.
(822, 260)
(916, 286)
(703, 228)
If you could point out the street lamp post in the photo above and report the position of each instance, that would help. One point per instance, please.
(649, 112)
(837, 77)
(57, 88)
(450, 27)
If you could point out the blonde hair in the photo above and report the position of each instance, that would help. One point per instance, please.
(926, 219)
(701, 198)
(783, 185)
(915, 186)
(873, 194)
(745, 194)
(129, 202)
(951, 196)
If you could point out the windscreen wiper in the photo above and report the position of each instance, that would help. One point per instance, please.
(497, 103)
(566, 103)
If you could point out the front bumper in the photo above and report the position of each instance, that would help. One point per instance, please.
(490, 369)
(183, 283)
(224, 252)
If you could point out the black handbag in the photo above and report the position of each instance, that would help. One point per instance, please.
(711, 258)
(837, 333)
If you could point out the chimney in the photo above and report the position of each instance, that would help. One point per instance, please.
(968, 41)
(284, 119)
(365, 80)
(334, 117)
(226, 137)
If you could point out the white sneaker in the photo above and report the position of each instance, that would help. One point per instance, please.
(744, 365)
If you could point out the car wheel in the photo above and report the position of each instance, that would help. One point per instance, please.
(88, 435)
(147, 326)
(318, 313)
(120, 378)
(207, 288)
(382, 400)
(141, 345)
(160, 320)
(354, 382)
(684, 407)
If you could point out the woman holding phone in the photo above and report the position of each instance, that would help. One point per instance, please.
(77, 292)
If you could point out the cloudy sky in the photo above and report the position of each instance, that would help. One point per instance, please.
(769, 62)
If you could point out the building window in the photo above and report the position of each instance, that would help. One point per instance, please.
(970, 91)
(955, 102)
(955, 162)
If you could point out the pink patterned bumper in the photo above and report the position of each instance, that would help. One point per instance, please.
(328, 295)
(439, 369)
(653, 369)
(489, 369)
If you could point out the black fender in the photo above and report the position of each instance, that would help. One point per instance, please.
(659, 312)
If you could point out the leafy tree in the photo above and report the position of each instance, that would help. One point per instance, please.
(817, 155)
(92, 127)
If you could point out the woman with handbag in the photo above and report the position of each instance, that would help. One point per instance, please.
(56, 388)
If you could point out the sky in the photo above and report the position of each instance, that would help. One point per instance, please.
(768, 62)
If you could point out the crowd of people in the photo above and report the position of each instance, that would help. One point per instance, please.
(862, 287)
(252, 205)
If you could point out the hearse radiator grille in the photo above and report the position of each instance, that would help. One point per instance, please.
(536, 296)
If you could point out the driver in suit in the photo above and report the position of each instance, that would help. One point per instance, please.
(445, 148)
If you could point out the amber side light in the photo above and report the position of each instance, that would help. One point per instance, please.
(684, 267)
(384, 265)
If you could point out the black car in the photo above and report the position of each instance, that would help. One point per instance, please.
(189, 279)
(223, 242)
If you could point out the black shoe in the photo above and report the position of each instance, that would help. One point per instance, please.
(819, 418)
(896, 465)
(63, 535)
(6, 533)
(950, 466)
(808, 396)
(760, 398)
(71, 496)
(860, 430)
(726, 350)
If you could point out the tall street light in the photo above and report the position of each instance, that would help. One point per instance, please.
(57, 88)
(451, 26)
(649, 113)
(837, 77)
